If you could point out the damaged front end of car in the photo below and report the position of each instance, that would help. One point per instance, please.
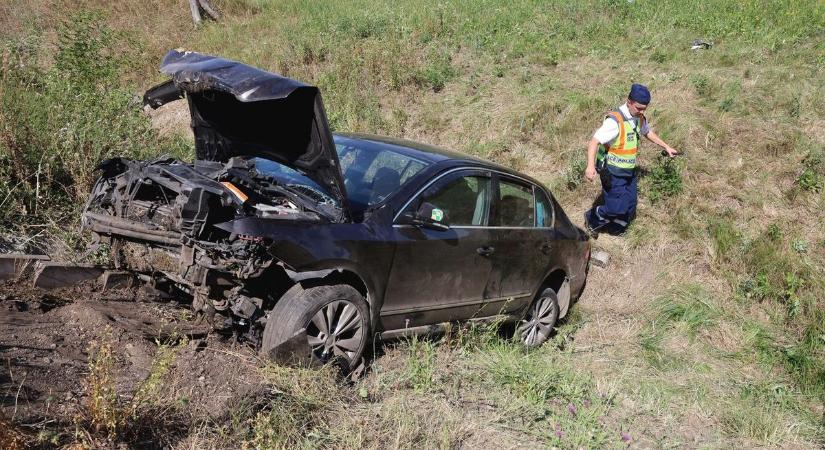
(263, 150)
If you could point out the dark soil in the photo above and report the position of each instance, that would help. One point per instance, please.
(46, 338)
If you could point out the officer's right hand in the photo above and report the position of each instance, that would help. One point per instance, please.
(590, 173)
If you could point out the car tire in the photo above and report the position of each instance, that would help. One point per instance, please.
(319, 310)
(538, 322)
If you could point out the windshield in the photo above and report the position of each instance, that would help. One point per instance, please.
(371, 173)
(293, 179)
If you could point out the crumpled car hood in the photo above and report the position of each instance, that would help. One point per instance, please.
(239, 110)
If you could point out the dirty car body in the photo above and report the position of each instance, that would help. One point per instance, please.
(279, 229)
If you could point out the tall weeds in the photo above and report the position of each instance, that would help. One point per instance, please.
(150, 415)
(58, 122)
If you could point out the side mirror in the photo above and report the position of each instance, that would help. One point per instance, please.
(428, 216)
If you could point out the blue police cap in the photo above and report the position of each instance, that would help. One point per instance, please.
(639, 93)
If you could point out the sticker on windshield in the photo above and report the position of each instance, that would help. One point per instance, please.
(437, 215)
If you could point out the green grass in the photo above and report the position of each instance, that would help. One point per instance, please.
(752, 412)
(293, 412)
(545, 395)
(538, 393)
(725, 238)
(683, 311)
(734, 229)
(769, 409)
(421, 364)
(690, 307)
(769, 269)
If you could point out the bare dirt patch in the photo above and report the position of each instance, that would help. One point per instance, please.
(47, 340)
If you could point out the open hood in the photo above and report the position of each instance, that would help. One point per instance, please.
(239, 110)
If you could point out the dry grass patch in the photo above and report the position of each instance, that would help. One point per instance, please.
(405, 420)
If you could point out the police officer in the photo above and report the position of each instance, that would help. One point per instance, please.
(612, 154)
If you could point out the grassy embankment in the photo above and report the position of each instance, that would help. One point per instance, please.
(708, 328)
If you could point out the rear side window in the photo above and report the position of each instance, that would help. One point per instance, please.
(515, 206)
(544, 210)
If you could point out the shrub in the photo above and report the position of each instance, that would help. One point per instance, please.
(151, 414)
(664, 180)
(105, 415)
(702, 86)
(574, 175)
(84, 50)
(812, 177)
(437, 71)
(58, 123)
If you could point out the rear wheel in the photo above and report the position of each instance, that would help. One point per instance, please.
(537, 325)
(336, 319)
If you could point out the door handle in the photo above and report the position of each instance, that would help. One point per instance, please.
(546, 247)
(486, 250)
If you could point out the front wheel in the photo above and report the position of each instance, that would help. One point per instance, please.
(535, 328)
(336, 320)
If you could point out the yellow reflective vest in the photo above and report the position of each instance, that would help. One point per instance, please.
(621, 151)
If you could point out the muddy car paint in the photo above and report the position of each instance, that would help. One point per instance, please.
(412, 274)
(237, 240)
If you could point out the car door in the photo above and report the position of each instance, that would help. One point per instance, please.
(442, 275)
(520, 259)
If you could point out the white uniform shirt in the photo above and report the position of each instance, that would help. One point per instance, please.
(610, 129)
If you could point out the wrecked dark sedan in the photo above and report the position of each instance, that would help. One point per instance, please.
(280, 230)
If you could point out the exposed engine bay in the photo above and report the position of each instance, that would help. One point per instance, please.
(159, 218)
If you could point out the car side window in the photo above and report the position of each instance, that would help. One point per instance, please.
(464, 201)
(544, 210)
(515, 206)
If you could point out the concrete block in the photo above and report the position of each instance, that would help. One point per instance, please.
(12, 265)
(116, 279)
(599, 258)
(53, 275)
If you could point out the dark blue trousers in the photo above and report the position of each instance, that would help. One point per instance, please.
(619, 207)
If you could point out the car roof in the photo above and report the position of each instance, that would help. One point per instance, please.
(424, 152)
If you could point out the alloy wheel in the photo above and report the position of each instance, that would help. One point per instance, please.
(336, 330)
(537, 325)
